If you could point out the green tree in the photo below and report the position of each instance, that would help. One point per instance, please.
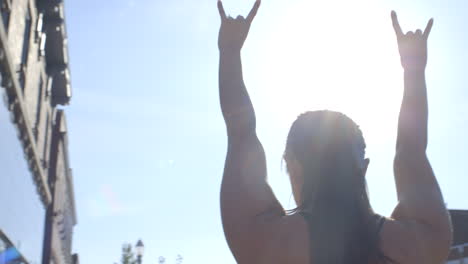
(128, 257)
(127, 254)
(179, 259)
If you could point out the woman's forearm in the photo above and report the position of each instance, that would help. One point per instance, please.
(413, 120)
(236, 105)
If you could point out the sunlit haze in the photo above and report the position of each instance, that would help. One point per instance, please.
(147, 138)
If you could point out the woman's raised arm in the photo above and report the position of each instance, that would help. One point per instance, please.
(248, 205)
(421, 209)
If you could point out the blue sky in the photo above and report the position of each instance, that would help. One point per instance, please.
(147, 140)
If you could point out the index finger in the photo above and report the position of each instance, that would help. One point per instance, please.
(428, 29)
(396, 25)
(253, 12)
(222, 13)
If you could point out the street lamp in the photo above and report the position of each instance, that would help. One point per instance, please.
(140, 249)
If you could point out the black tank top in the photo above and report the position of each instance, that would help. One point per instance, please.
(380, 220)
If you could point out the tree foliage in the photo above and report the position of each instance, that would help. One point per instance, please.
(127, 255)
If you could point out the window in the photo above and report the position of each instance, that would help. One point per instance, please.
(40, 36)
(5, 8)
(50, 80)
(46, 143)
(26, 37)
(39, 25)
(42, 44)
(39, 106)
(25, 52)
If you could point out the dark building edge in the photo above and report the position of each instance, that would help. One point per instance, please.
(59, 147)
(16, 105)
(57, 68)
(459, 248)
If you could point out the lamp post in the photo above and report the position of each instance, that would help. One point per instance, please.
(140, 249)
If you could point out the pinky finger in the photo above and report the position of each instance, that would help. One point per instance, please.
(428, 29)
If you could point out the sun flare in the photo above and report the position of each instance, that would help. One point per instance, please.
(319, 62)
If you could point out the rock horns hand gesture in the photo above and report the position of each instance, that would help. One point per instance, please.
(233, 32)
(412, 45)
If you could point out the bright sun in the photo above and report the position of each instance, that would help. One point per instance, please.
(342, 59)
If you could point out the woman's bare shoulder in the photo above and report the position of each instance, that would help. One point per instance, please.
(408, 242)
(401, 241)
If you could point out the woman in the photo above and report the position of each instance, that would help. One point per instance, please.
(334, 222)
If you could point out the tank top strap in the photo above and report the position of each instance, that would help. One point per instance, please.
(306, 216)
(380, 223)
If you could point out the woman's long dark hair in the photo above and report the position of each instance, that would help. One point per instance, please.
(343, 227)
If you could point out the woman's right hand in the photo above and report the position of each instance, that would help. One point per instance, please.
(412, 45)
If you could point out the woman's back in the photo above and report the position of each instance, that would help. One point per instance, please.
(400, 241)
(325, 158)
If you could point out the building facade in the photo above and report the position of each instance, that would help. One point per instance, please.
(459, 251)
(36, 185)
